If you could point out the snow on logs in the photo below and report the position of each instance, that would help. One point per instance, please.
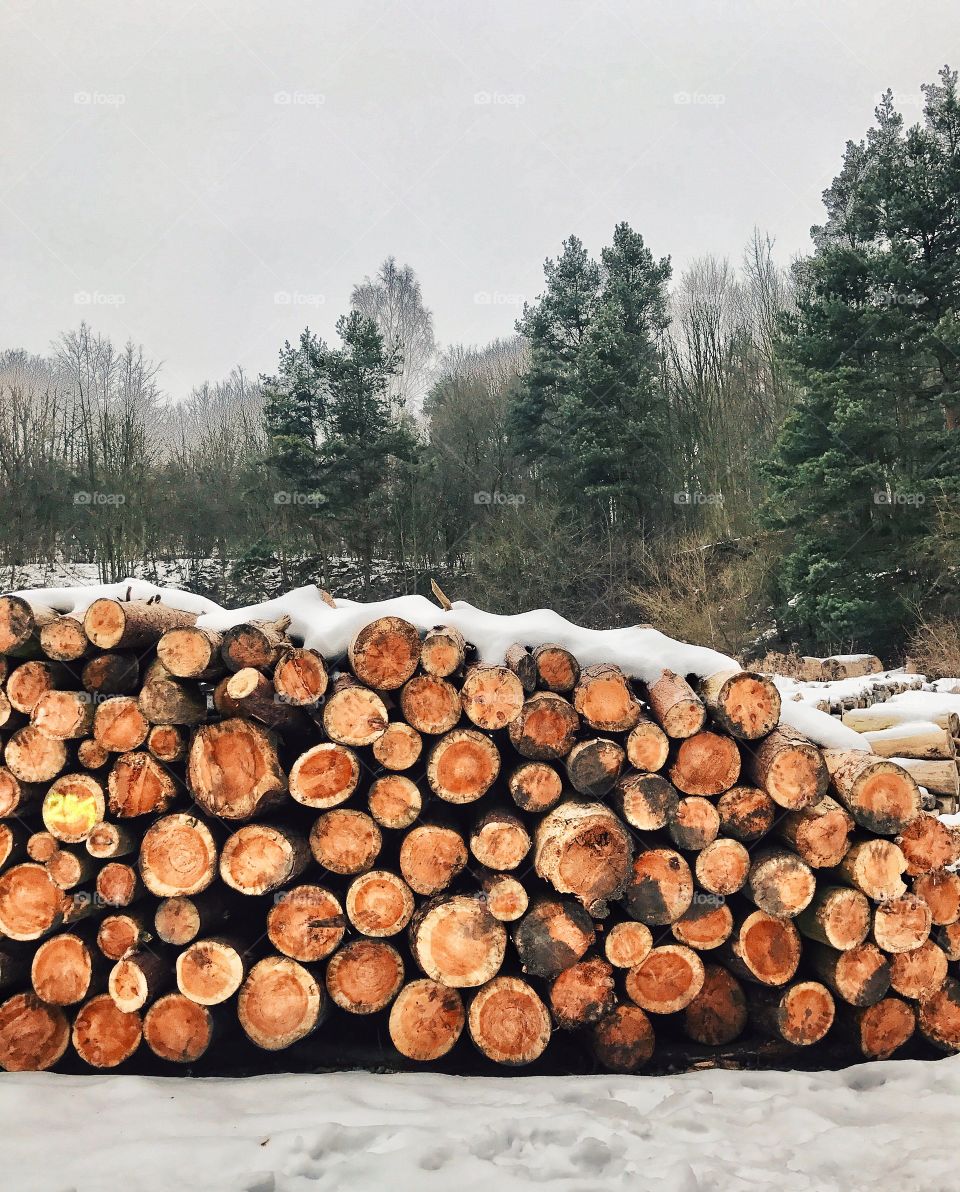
(207, 817)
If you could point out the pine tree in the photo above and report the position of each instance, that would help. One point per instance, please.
(872, 446)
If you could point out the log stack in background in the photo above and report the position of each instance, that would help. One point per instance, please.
(210, 833)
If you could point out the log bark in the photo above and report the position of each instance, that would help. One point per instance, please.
(379, 903)
(901, 924)
(191, 652)
(492, 696)
(646, 801)
(111, 674)
(553, 935)
(166, 700)
(21, 624)
(535, 787)
(430, 705)
(211, 970)
(254, 643)
(667, 980)
(399, 747)
(306, 923)
(676, 706)
(139, 785)
(939, 777)
(103, 1034)
(119, 726)
(583, 994)
(660, 889)
(780, 883)
(385, 653)
(394, 801)
(139, 979)
(455, 940)
(280, 1003)
(695, 824)
(718, 1014)
(859, 976)
(131, 624)
(584, 849)
(73, 806)
(925, 741)
(763, 949)
(836, 916)
(801, 1014)
(557, 669)
(519, 659)
(324, 776)
(345, 841)
(233, 770)
(627, 943)
(746, 813)
(177, 1029)
(623, 1041)
(426, 1020)
(604, 700)
(594, 766)
(353, 715)
(744, 704)
(178, 856)
(364, 976)
(499, 840)
(443, 651)
(462, 766)
(706, 764)
(647, 746)
(881, 797)
(891, 715)
(33, 1035)
(789, 768)
(508, 1022)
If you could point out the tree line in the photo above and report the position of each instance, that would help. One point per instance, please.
(741, 453)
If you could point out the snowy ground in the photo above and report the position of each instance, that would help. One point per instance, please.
(878, 1126)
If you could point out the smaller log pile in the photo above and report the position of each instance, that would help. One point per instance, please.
(210, 832)
(920, 733)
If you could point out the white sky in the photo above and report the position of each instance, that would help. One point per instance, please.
(150, 164)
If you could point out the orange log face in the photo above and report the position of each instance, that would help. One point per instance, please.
(837, 916)
(64, 640)
(73, 806)
(723, 867)
(746, 813)
(306, 923)
(535, 787)
(880, 795)
(399, 747)
(21, 623)
(506, 898)
(647, 746)
(426, 1020)
(188, 653)
(584, 849)
(582, 994)
(379, 903)
(119, 725)
(232, 770)
(695, 824)
(885, 1027)
(676, 706)
(789, 768)
(500, 841)
(927, 845)
(394, 801)
(131, 624)
(139, 785)
(920, 973)
(718, 1014)
(30, 903)
(939, 1016)
(117, 884)
(120, 934)
(29, 681)
(345, 841)
(177, 1029)
(624, 1040)
(902, 924)
(325, 776)
(666, 981)
(431, 857)
(62, 970)
(557, 669)
(805, 1013)
(166, 743)
(646, 801)
(354, 715)
(780, 884)
(463, 765)
(259, 858)
(442, 651)
(178, 856)
(279, 1004)
(17, 797)
(604, 699)
(862, 975)
(553, 935)
(941, 892)
(745, 705)
(430, 705)
(385, 653)
(210, 971)
(32, 757)
(104, 1036)
(593, 767)
(626, 944)
(63, 715)
(300, 678)
(508, 1022)
(492, 697)
(706, 764)
(458, 942)
(33, 1035)
(706, 925)
(768, 948)
(546, 727)
(661, 888)
(365, 976)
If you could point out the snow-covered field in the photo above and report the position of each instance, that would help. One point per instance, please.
(873, 1127)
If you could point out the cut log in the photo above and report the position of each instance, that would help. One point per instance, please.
(118, 884)
(138, 979)
(584, 849)
(583, 994)
(254, 643)
(939, 777)
(119, 725)
(535, 787)
(399, 747)
(604, 699)
(508, 1022)
(18, 798)
(353, 715)
(33, 1035)
(13, 844)
(111, 674)
(627, 943)
(64, 640)
(139, 785)
(763, 949)
(21, 623)
(676, 706)
(306, 923)
(874, 867)
(166, 743)
(166, 700)
(31, 905)
(801, 1014)
(624, 1040)
(939, 1016)
(901, 924)
(73, 806)
(394, 801)
(780, 883)
(64, 969)
(706, 764)
(30, 680)
(385, 653)
(499, 840)
(646, 801)
(920, 973)
(836, 916)
(744, 704)
(859, 976)
(211, 970)
(648, 746)
(251, 694)
(557, 669)
(426, 1019)
(881, 797)
(431, 856)
(463, 765)
(928, 844)
(892, 715)
(325, 776)
(191, 653)
(280, 1003)
(594, 766)
(131, 624)
(32, 757)
(706, 925)
(746, 813)
(818, 834)
(259, 858)
(553, 935)
(506, 898)
(923, 740)
(667, 980)
(180, 920)
(364, 976)
(178, 856)
(103, 1034)
(122, 933)
(177, 1029)
(694, 824)
(718, 1014)
(430, 705)
(300, 678)
(69, 869)
(492, 697)
(455, 940)
(660, 889)
(941, 892)
(789, 767)
(233, 770)
(345, 841)
(92, 755)
(723, 867)
(883, 1028)
(546, 727)
(379, 903)
(443, 651)
(41, 846)
(63, 715)
(519, 659)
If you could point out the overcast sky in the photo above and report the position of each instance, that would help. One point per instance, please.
(208, 177)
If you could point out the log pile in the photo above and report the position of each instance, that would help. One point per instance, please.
(207, 833)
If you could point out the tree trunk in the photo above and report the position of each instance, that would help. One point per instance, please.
(583, 994)
(706, 764)
(379, 903)
(443, 651)
(462, 766)
(718, 1014)
(430, 705)
(353, 715)
(131, 624)
(364, 976)
(191, 653)
(255, 643)
(604, 699)
(394, 801)
(801, 1014)
(508, 1022)
(746, 813)
(557, 669)
(660, 889)
(744, 704)
(233, 770)
(399, 747)
(426, 1020)
(103, 1034)
(306, 923)
(695, 824)
(553, 935)
(492, 696)
(211, 970)
(535, 787)
(583, 849)
(280, 1003)
(881, 797)
(676, 706)
(73, 806)
(177, 1029)
(455, 940)
(139, 785)
(499, 840)
(780, 883)
(646, 801)
(860, 976)
(667, 980)
(837, 916)
(789, 768)
(345, 841)
(593, 766)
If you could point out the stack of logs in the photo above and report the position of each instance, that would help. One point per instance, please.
(205, 829)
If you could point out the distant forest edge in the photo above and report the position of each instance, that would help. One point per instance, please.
(747, 456)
